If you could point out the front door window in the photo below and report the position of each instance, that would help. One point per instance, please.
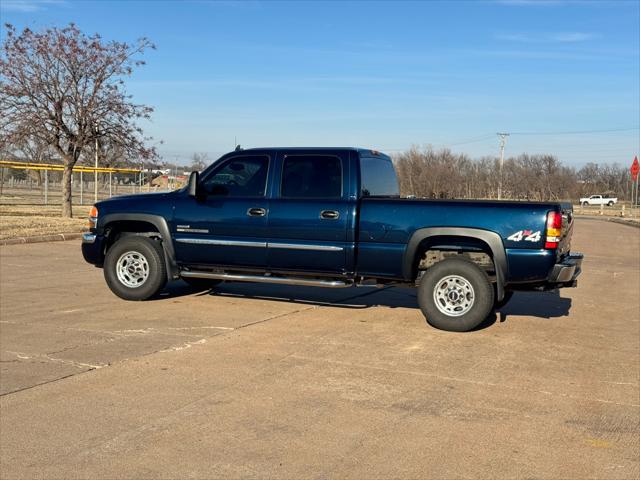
(239, 177)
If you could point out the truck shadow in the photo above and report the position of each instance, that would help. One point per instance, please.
(353, 298)
(545, 305)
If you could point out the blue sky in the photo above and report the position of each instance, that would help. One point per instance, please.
(384, 75)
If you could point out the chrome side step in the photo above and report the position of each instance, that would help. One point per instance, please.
(237, 277)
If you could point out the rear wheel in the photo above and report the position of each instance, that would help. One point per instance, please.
(134, 268)
(585, 204)
(455, 295)
(610, 204)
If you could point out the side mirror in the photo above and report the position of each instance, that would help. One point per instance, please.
(193, 184)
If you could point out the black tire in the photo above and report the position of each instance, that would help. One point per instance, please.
(610, 204)
(585, 204)
(140, 247)
(471, 275)
(200, 284)
(507, 296)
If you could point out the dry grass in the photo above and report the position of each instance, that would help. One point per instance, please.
(32, 220)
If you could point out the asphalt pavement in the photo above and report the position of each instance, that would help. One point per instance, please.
(261, 381)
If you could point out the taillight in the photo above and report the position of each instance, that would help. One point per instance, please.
(554, 230)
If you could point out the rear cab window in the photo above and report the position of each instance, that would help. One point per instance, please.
(378, 177)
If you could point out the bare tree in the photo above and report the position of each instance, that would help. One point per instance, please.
(34, 150)
(432, 173)
(66, 89)
(199, 161)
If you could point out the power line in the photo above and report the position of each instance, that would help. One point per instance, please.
(443, 145)
(577, 132)
(482, 138)
(473, 140)
(490, 136)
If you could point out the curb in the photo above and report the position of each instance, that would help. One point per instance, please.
(58, 237)
(618, 220)
(625, 222)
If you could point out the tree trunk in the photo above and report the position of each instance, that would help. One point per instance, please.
(66, 191)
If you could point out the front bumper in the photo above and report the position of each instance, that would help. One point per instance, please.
(93, 248)
(565, 273)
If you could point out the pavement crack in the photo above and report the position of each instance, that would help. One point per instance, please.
(206, 327)
(280, 315)
(48, 357)
(44, 383)
(184, 346)
(462, 380)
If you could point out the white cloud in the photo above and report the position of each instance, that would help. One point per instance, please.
(554, 37)
(519, 3)
(570, 37)
(27, 6)
(564, 3)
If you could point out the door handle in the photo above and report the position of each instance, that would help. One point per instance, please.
(330, 214)
(256, 212)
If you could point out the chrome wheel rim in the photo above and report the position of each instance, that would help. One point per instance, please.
(132, 269)
(454, 295)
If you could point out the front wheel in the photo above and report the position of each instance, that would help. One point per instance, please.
(134, 268)
(455, 295)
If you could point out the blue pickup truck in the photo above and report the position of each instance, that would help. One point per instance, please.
(331, 217)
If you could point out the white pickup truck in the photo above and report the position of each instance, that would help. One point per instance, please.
(599, 200)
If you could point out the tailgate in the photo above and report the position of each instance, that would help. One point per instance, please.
(567, 229)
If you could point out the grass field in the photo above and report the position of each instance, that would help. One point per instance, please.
(32, 220)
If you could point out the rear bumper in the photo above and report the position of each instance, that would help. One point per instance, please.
(93, 248)
(566, 272)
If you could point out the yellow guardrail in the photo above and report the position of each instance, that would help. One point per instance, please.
(58, 167)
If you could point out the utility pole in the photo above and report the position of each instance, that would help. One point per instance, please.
(503, 142)
(95, 173)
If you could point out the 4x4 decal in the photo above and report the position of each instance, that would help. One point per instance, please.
(526, 235)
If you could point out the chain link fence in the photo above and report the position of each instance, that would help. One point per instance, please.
(41, 184)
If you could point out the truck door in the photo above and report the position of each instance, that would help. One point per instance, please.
(227, 224)
(311, 213)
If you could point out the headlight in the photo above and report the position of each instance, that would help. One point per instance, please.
(93, 217)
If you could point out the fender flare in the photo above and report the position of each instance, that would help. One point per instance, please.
(157, 221)
(490, 238)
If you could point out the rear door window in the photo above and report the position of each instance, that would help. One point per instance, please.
(311, 176)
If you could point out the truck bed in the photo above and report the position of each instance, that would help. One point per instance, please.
(402, 217)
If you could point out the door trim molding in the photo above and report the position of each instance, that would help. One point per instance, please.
(305, 246)
(245, 243)
(228, 243)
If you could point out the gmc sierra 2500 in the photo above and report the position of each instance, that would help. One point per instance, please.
(331, 217)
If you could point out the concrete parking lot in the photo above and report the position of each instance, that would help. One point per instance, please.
(255, 381)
